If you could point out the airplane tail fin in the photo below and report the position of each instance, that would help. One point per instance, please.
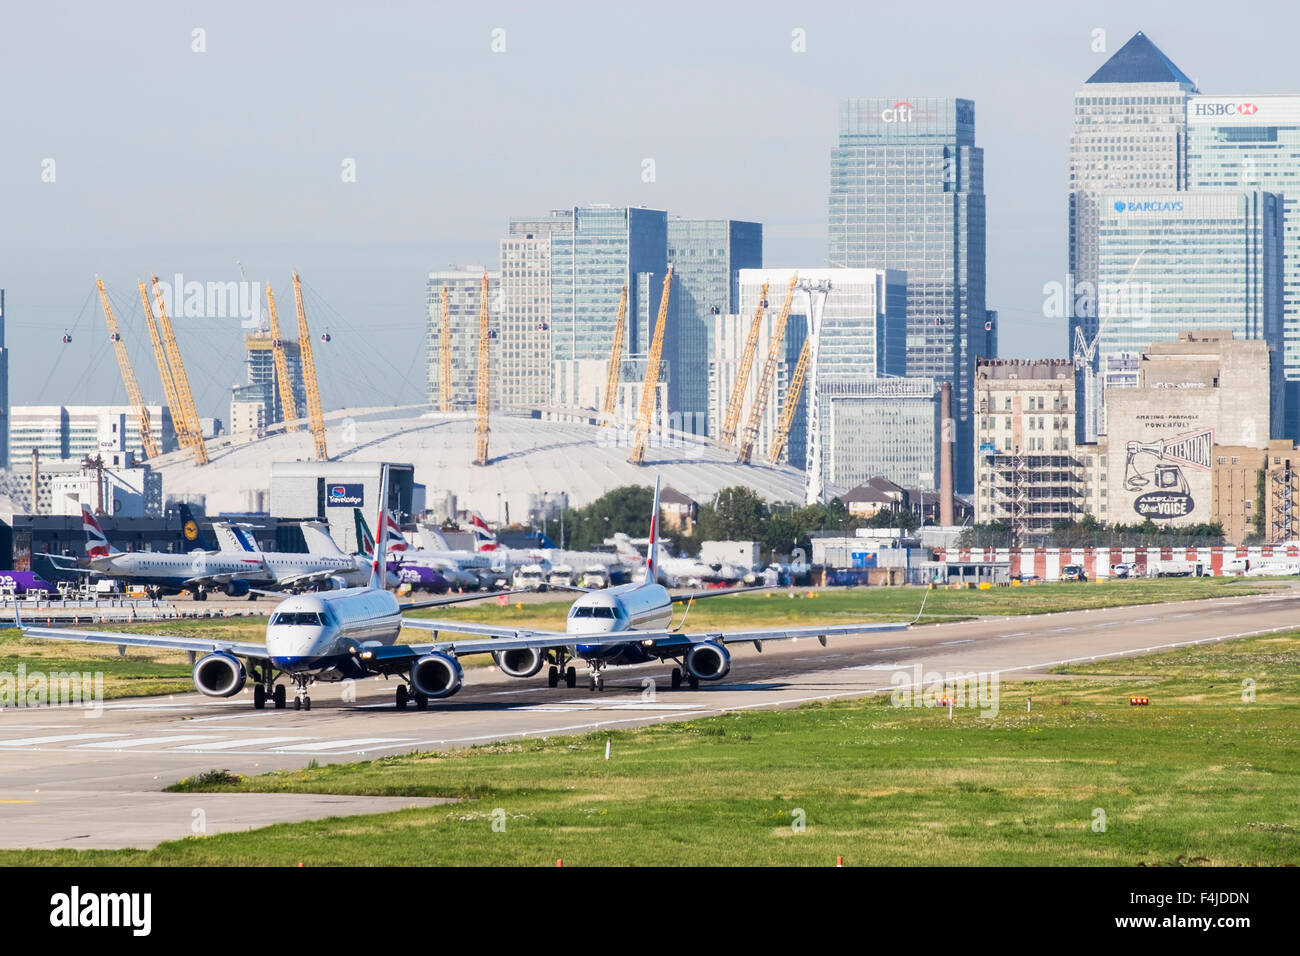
(379, 563)
(484, 539)
(191, 534)
(433, 538)
(652, 549)
(394, 540)
(97, 545)
(319, 541)
(365, 540)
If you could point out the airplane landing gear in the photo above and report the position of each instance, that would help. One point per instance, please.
(301, 701)
(259, 697)
(402, 696)
(597, 682)
(278, 697)
(677, 678)
(553, 677)
(691, 680)
(571, 677)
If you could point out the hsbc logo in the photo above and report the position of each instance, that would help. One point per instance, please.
(900, 112)
(1225, 109)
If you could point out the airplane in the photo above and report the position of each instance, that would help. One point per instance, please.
(323, 564)
(547, 557)
(353, 633)
(632, 624)
(688, 572)
(419, 567)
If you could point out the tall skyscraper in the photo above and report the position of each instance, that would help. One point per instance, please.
(525, 339)
(1130, 132)
(605, 247)
(464, 286)
(1206, 261)
(259, 348)
(1252, 141)
(907, 193)
(707, 256)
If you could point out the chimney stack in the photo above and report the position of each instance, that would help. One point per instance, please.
(947, 435)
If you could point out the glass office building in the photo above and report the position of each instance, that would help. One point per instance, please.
(707, 256)
(1130, 132)
(606, 247)
(1171, 262)
(1253, 142)
(907, 193)
(885, 426)
(464, 285)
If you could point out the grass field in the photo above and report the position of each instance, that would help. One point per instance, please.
(144, 672)
(1202, 775)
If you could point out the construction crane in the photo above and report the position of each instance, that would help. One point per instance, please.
(484, 377)
(444, 353)
(792, 394)
(609, 401)
(314, 414)
(288, 404)
(164, 371)
(128, 375)
(183, 394)
(766, 377)
(732, 420)
(650, 388)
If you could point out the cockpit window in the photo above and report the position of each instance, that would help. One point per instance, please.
(296, 618)
(585, 610)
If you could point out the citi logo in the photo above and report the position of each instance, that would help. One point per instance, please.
(1226, 109)
(75, 909)
(900, 112)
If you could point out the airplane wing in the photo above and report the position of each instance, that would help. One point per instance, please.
(168, 642)
(498, 631)
(716, 592)
(760, 634)
(456, 599)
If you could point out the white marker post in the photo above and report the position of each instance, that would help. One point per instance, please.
(606, 748)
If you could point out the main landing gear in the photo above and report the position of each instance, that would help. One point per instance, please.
(569, 674)
(405, 696)
(692, 681)
(265, 689)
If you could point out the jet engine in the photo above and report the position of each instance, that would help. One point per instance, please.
(436, 675)
(237, 588)
(336, 582)
(519, 662)
(219, 675)
(708, 661)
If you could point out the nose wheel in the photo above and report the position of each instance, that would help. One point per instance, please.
(595, 681)
(300, 701)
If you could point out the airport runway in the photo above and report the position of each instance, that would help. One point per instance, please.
(74, 780)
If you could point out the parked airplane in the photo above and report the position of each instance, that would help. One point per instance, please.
(548, 557)
(353, 633)
(323, 564)
(458, 569)
(684, 572)
(25, 583)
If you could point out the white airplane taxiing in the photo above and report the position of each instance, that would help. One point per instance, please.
(354, 633)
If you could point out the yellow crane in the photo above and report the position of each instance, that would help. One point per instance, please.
(128, 375)
(315, 416)
(184, 396)
(765, 378)
(484, 377)
(444, 353)
(792, 394)
(288, 404)
(164, 371)
(742, 372)
(650, 388)
(609, 401)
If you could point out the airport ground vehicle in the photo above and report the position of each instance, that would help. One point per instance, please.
(1073, 572)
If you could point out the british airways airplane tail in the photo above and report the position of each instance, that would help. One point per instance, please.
(378, 563)
(652, 549)
(97, 545)
(484, 539)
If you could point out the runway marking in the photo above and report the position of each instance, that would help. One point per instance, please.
(1016, 634)
(878, 667)
(900, 647)
(233, 744)
(142, 741)
(201, 720)
(526, 690)
(946, 643)
(57, 738)
(649, 705)
(342, 744)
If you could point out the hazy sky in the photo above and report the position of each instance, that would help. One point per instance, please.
(169, 160)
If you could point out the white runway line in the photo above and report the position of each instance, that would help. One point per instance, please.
(235, 744)
(342, 744)
(144, 741)
(55, 739)
(947, 643)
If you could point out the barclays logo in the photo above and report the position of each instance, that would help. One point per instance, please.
(1174, 205)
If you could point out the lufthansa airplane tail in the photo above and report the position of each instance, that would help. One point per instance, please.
(97, 545)
(192, 535)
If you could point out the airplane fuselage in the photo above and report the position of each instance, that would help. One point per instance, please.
(627, 607)
(319, 634)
